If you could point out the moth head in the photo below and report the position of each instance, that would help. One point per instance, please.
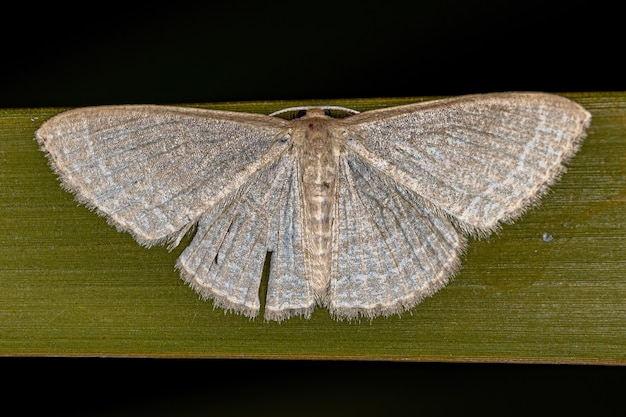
(293, 113)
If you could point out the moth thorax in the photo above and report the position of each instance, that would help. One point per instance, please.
(318, 184)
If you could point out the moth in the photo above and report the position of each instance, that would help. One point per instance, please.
(365, 215)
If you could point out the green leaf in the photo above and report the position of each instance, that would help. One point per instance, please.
(71, 285)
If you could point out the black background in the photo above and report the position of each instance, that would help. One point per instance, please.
(114, 53)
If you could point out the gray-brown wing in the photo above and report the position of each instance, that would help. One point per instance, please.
(153, 170)
(225, 260)
(391, 249)
(481, 159)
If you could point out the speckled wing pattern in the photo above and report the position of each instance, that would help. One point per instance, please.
(391, 249)
(411, 176)
(482, 159)
(409, 183)
(225, 260)
(154, 170)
